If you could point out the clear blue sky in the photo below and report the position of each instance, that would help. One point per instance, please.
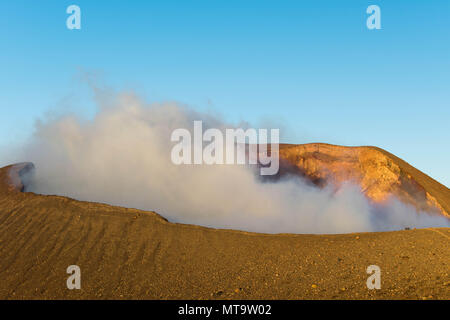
(311, 65)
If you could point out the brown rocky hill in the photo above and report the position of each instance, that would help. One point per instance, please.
(379, 173)
(133, 254)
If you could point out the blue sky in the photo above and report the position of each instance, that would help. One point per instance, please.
(312, 66)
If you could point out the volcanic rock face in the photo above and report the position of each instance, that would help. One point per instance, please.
(378, 173)
(19, 175)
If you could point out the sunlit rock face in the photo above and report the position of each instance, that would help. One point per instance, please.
(17, 177)
(378, 173)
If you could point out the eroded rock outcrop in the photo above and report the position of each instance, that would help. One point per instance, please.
(15, 177)
(378, 173)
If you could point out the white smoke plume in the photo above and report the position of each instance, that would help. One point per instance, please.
(122, 157)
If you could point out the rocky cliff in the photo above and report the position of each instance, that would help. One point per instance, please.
(378, 173)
